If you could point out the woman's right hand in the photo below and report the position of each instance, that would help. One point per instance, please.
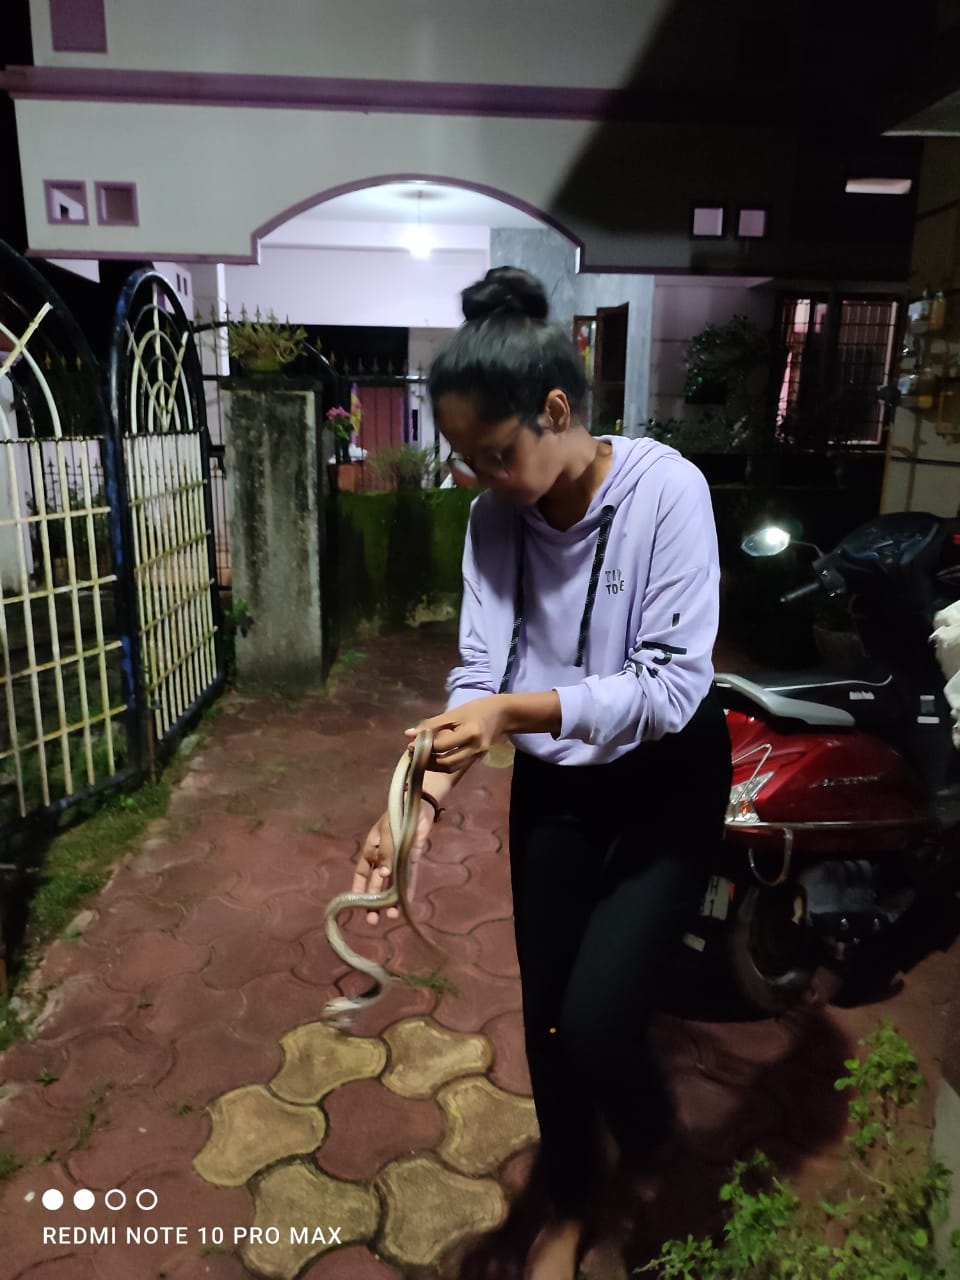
(375, 865)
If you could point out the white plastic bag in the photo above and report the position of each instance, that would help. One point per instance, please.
(947, 641)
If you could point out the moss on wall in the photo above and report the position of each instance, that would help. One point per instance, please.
(398, 558)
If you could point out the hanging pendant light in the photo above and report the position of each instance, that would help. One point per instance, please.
(419, 238)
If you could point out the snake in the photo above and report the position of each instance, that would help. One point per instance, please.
(403, 811)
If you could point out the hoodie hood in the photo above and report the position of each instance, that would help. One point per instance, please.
(618, 613)
(631, 460)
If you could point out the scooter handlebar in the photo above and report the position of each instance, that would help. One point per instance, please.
(800, 593)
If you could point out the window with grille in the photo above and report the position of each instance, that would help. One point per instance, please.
(836, 353)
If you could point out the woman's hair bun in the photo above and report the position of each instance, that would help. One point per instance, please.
(505, 290)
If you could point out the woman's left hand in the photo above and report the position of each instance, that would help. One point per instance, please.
(463, 734)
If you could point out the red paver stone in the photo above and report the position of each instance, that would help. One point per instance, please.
(454, 844)
(319, 965)
(66, 959)
(185, 1003)
(135, 1129)
(718, 1121)
(515, 1173)
(22, 1220)
(185, 1200)
(210, 1062)
(275, 1004)
(509, 1069)
(192, 1264)
(737, 1053)
(674, 1046)
(369, 1126)
(814, 1113)
(146, 959)
(212, 918)
(25, 1060)
(29, 1128)
(135, 913)
(452, 954)
(162, 854)
(354, 1263)
(106, 1058)
(291, 914)
(480, 998)
(397, 1002)
(238, 958)
(73, 1266)
(81, 1002)
(194, 881)
(477, 901)
(498, 950)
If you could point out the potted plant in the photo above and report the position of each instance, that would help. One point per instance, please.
(345, 426)
(264, 345)
(404, 466)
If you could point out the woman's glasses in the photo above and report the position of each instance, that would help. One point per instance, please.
(487, 462)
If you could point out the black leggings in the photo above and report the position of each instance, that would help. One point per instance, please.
(609, 863)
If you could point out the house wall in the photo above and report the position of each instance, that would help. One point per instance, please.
(227, 115)
(356, 286)
(681, 308)
(923, 455)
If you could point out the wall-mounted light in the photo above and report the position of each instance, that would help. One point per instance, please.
(878, 186)
(420, 238)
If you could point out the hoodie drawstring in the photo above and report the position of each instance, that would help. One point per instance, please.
(602, 538)
(517, 610)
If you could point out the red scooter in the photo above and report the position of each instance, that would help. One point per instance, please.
(845, 804)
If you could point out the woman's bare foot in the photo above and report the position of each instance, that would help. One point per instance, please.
(604, 1260)
(553, 1254)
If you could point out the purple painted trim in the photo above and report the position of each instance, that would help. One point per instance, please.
(76, 189)
(100, 193)
(78, 26)
(229, 89)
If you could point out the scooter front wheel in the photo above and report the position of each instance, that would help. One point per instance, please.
(771, 951)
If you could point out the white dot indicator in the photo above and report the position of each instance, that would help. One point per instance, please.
(115, 1198)
(84, 1199)
(147, 1199)
(52, 1199)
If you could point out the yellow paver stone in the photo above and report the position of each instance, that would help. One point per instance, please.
(251, 1129)
(429, 1209)
(425, 1056)
(485, 1125)
(311, 1214)
(318, 1058)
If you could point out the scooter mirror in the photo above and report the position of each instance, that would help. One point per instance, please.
(766, 542)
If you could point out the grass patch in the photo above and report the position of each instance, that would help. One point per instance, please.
(79, 861)
(11, 1026)
(87, 1123)
(435, 980)
(9, 1164)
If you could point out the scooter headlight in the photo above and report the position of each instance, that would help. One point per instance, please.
(741, 810)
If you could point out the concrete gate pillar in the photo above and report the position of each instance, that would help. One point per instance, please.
(274, 500)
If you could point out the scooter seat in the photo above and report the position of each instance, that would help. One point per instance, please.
(782, 704)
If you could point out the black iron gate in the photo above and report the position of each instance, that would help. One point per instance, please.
(157, 406)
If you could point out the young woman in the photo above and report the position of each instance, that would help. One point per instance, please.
(589, 615)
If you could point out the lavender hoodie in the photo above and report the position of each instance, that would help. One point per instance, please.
(618, 613)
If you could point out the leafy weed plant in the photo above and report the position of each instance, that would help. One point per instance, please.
(876, 1223)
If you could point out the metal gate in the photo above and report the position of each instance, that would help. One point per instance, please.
(67, 726)
(157, 404)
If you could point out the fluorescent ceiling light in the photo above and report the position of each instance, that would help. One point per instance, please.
(878, 186)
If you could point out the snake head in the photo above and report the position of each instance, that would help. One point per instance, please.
(340, 1012)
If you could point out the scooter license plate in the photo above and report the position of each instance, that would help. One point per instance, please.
(716, 900)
